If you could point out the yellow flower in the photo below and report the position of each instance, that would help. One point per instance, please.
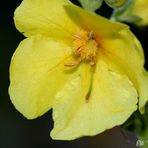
(88, 69)
(136, 11)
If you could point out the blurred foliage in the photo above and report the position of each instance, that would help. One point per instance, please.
(138, 124)
(93, 5)
(134, 12)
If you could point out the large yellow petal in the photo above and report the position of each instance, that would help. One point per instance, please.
(111, 101)
(125, 54)
(99, 25)
(60, 19)
(37, 72)
(47, 17)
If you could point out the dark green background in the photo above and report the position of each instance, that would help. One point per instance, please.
(18, 132)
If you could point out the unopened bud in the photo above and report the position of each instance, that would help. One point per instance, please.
(115, 3)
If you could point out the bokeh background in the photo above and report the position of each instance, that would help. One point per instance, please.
(18, 132)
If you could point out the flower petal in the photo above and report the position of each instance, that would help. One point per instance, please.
(37, 72)
(125, 54)
(112, 100)
(46, 17)
(60, 19)
(101, 26)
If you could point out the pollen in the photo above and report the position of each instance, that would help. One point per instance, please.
(85, 47)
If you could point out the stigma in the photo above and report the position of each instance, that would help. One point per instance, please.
(85, 48)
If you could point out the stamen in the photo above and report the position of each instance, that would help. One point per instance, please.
(92, 64)
(85, 47)
(76, 36)
(78, 51)
(90, 35)
(71, 64)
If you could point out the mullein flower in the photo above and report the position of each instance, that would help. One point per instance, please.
(88, 69)
(135, 11)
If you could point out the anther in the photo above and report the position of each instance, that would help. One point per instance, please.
(77, 36)
(71, 64)
(90, 35)
(92, 64)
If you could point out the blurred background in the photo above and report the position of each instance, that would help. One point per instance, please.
(18, 132)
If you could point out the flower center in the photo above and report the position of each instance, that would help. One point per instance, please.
(85, 48)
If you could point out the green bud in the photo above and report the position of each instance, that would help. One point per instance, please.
(91, 5)
(115, 3)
